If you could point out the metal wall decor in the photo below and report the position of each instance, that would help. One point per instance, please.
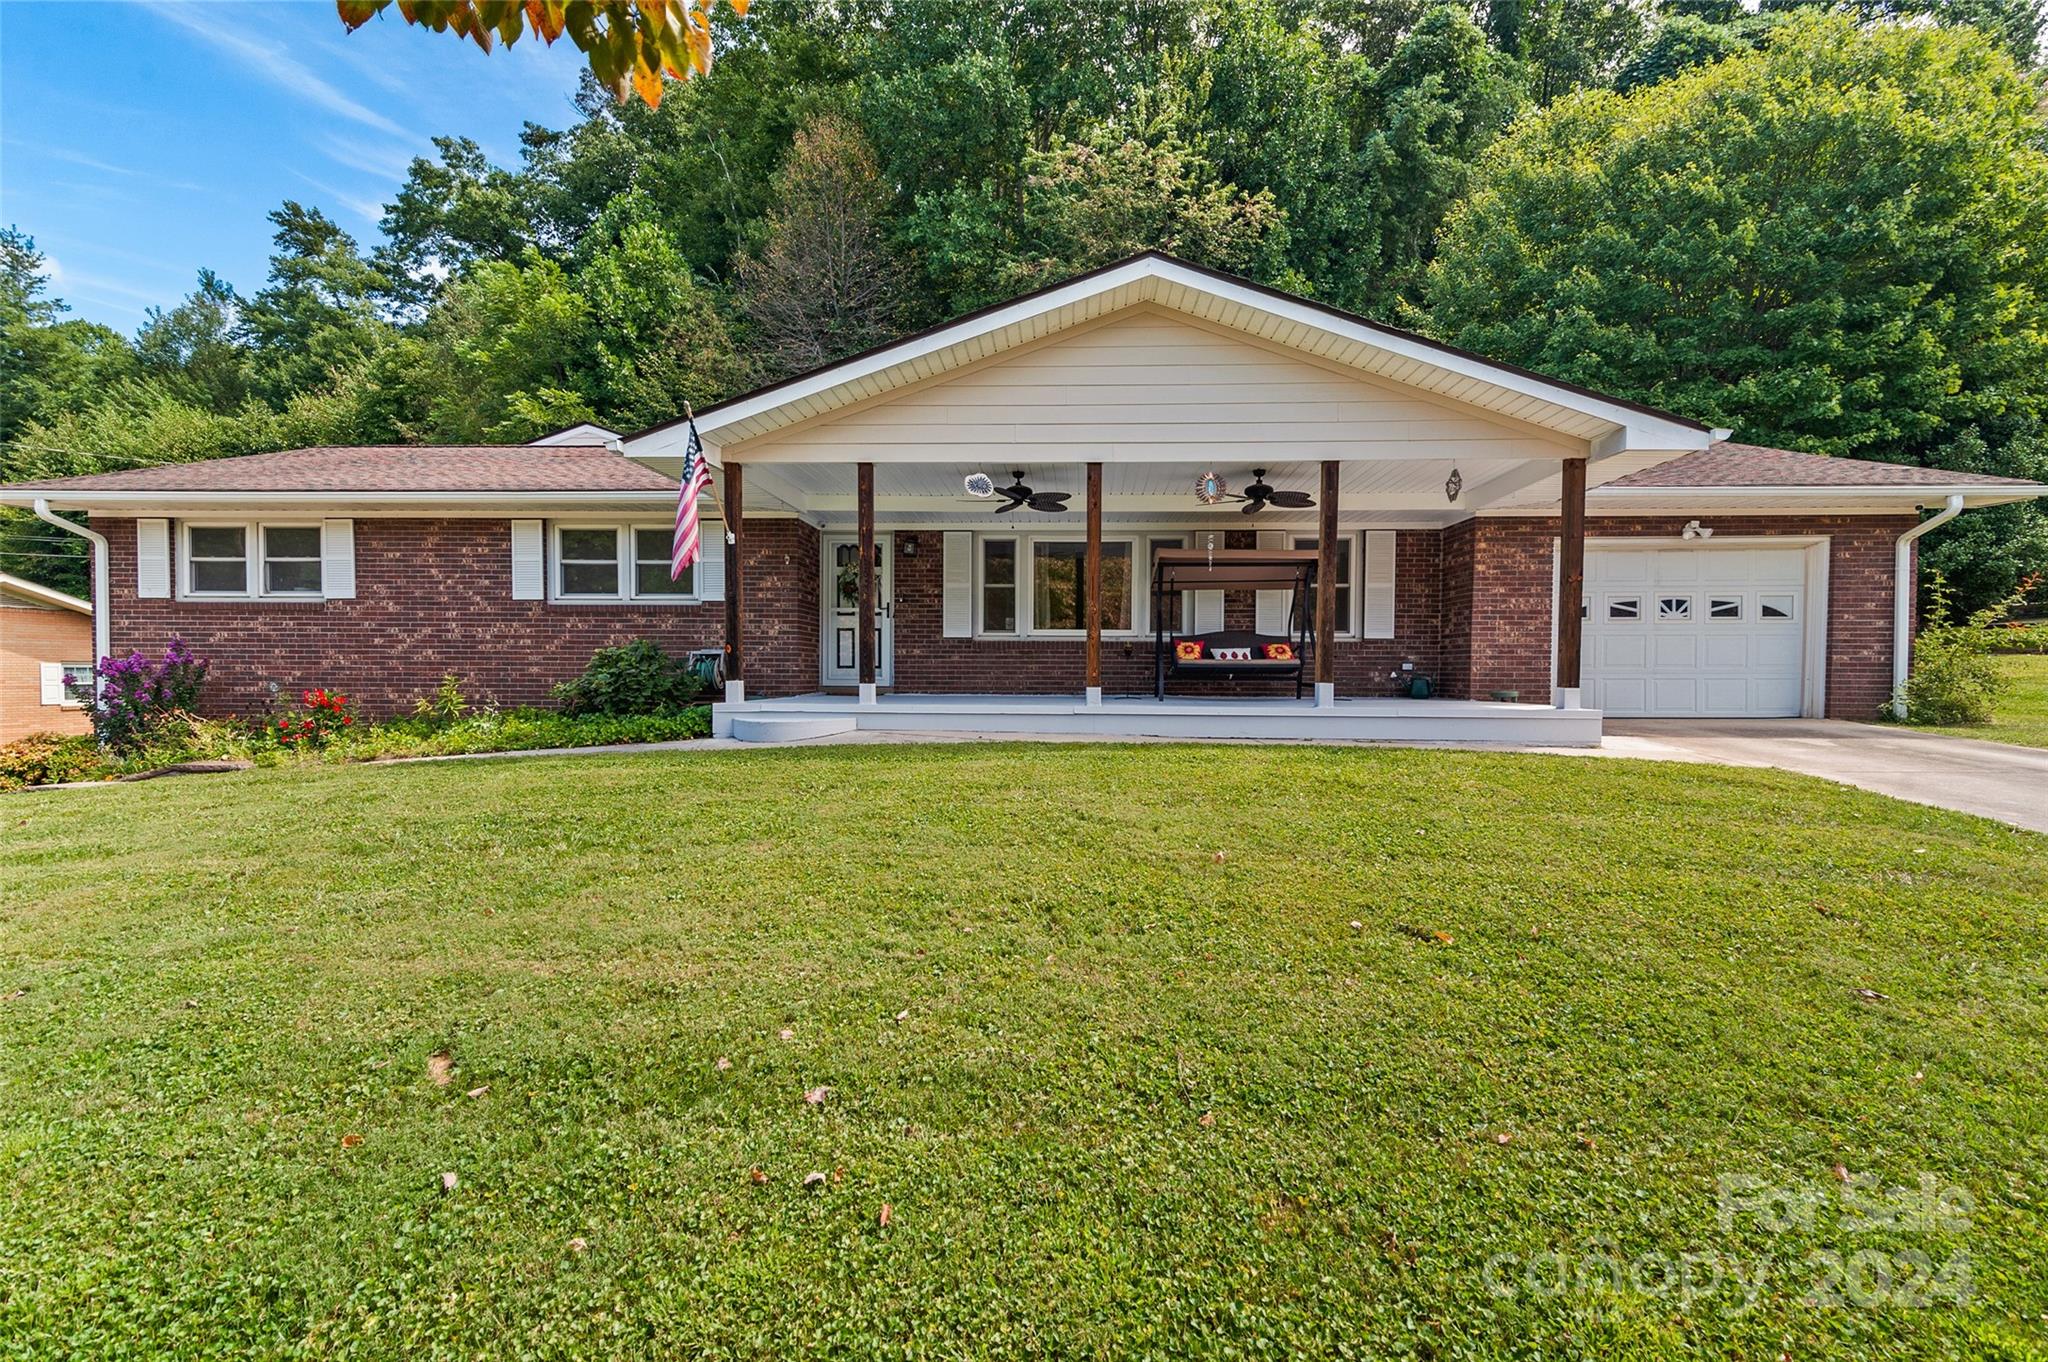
(1453, 485)
(1210, 488)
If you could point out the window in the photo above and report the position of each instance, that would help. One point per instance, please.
(1180, 619)
(999, 586)
(1344, 616)
(652, 549)
(620, 563)
(590, 562)
(1624, 607)
(1776, 607)
(218, 558)
(1724, 607)
(1058, 573)
(1674, 607)
(78, 683)
(291, 560)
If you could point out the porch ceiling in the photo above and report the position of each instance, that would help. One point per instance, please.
(933, 493)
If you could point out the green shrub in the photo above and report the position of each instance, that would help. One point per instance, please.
(2020, 636)
(633, 678)
(446, 705)
(49, 759)
(1953, 679)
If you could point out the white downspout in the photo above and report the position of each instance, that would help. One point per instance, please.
(1904, 580)
(102, 621)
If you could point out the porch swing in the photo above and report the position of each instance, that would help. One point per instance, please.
(1230, 654)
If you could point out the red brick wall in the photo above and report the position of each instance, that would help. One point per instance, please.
(1510, 580)
(435, 596)
(928, 662)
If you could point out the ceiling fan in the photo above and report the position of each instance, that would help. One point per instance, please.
(1259, 496)
(981, 485)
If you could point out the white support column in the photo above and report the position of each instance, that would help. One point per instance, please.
(1093, 697)
(1326, 695)
(736, 692)
(867, 695)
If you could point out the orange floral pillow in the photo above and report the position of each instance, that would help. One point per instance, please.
(1279, 652)
(1188, 650)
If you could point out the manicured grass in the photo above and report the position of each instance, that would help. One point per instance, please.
(2022, 711)
(1122, 1096)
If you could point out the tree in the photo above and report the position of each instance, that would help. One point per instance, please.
(47, 364)
(195, 349)
(825, 282)
(317, 316)
(1837, 243)
(630, 47)
(449, 212)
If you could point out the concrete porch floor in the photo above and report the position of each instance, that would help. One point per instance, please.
(1257, 719)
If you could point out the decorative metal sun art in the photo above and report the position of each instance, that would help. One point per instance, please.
(1454, 484)
(1210, 488)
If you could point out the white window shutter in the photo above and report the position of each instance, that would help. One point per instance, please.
(529, 578)
(710, 563)
(1379, 584)
(338, 559)
(1272, 606)
(957, 585)
(1208, 611)
(153, 559)
(53, 683)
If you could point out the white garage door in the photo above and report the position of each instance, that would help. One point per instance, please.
(1695, 631)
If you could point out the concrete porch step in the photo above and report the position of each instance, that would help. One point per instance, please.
(789, 727)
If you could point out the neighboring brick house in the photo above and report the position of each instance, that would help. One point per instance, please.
(45, 660)
(1718, 578)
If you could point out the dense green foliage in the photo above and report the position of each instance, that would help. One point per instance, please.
(47, 758)
(2022, 714)
(632, 678)
(1825, 233)
(1430, 1011)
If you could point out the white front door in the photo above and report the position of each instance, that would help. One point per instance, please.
(1692, 631)
(839, 655)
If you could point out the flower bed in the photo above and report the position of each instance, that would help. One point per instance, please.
(47, 758)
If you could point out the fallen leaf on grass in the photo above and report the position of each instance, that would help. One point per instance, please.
(351, 1141)
(479, 1092)
(1870, 995)
(18, 993)
(441, 1068)
(1356, 925)
(788, 1034)
(838, 1175)
(756, 1176)
(449, 1182)
(904, 1015)
(1208, 1120)
(578, 1244)
(1219, 858)
(1503, 1138)
(380, 1063)
(884, 1218)
(723, 1064)
(813, 1179)
(1585, 1142)
(816, 1096)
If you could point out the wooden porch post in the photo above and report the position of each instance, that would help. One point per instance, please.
(1326, 589)
(1091, 594)
(735, 585)
(1571, 583)
(865, 502)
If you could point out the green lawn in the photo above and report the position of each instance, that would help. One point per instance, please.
(2023, 710)
(1435, 1028)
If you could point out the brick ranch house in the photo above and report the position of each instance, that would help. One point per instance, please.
(45, 659)
(1540, 553)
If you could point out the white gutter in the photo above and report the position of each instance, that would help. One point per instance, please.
(1904, 580)
(102, 620)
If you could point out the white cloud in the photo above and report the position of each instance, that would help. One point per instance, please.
(385, 160)
(369, 210)
(271, 62)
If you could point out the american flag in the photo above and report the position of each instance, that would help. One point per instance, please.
(696, 477)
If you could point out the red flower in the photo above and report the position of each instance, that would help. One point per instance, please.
(346, 721)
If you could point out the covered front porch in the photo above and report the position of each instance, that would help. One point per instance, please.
(1260, 719)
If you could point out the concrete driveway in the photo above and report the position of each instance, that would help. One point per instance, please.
(1986, 778)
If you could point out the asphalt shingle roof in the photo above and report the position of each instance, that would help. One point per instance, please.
(384, 468)
(1729, 464)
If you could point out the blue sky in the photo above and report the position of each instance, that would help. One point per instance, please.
(140, 141)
